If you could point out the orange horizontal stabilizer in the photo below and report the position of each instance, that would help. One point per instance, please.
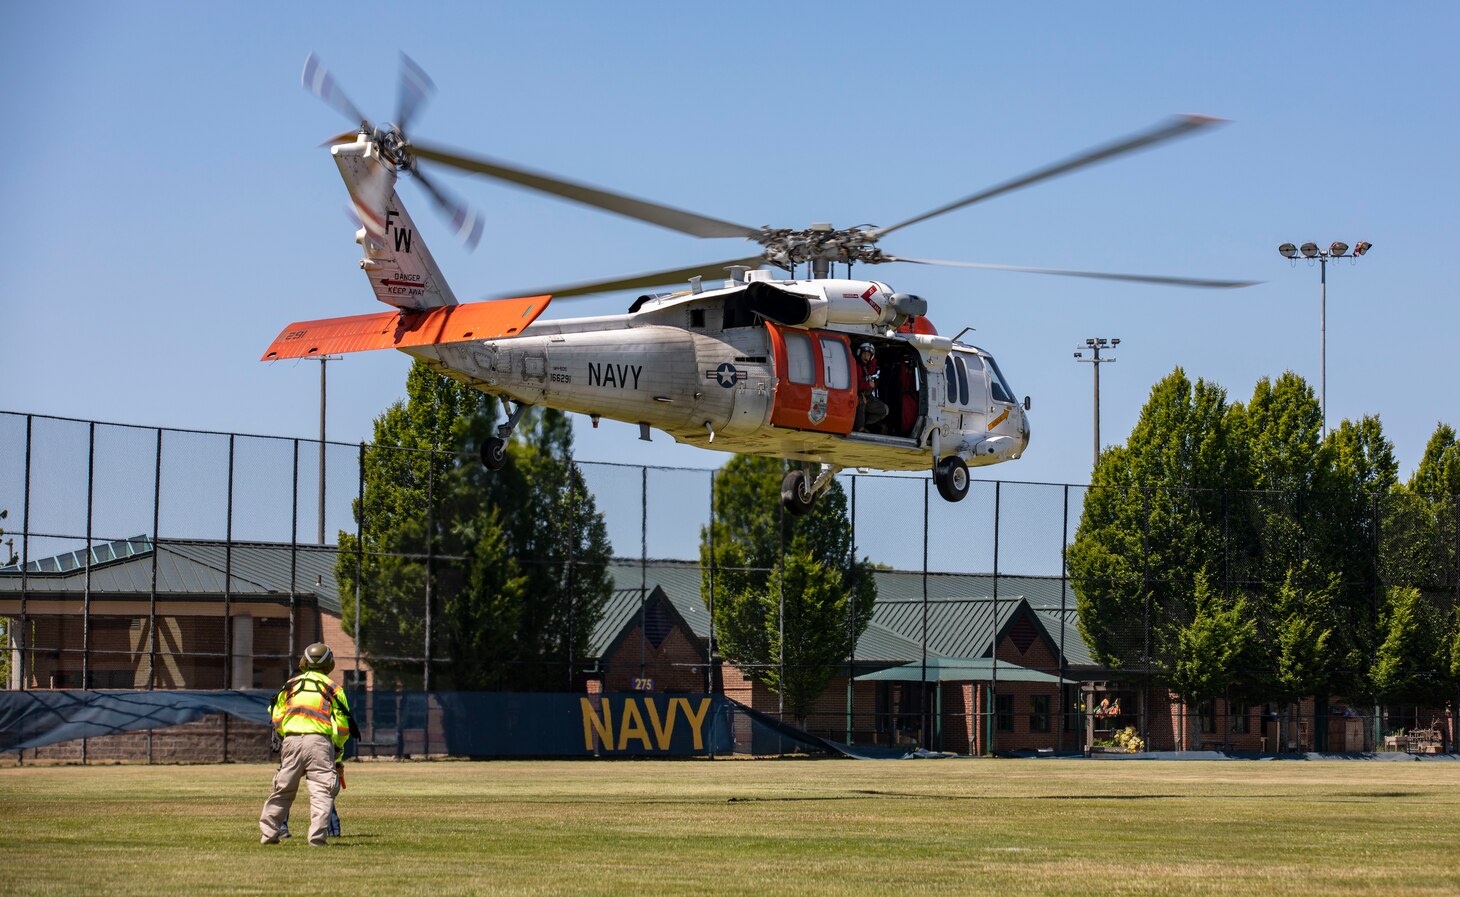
(496, 319)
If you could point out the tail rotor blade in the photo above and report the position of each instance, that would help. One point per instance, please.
(369, 200)
(464, 219)
(416, 88)
(318, 80)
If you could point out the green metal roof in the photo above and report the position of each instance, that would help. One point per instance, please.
(184, 570)
(959, 669)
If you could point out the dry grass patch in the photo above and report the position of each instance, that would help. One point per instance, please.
(1002, 827)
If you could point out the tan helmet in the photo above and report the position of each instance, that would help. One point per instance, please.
(317, 658)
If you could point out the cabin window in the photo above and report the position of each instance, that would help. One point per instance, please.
(838, 368)
(950, 380)
(1000, 386)
(799, 365)
(962, 382)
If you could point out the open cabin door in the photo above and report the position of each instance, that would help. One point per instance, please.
(816, 388)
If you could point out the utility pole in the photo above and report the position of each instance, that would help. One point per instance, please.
(1311, 251)
(323, 366)
(1095, 345)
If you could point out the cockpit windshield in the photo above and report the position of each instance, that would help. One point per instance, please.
(1000, 386)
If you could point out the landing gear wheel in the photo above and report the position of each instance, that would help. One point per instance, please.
(951, 475)
(796, 493)
(494, 453)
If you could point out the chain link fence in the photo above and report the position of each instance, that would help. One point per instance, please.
(146, 558)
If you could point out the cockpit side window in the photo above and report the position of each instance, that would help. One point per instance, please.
(1000, 386)
(962, 383)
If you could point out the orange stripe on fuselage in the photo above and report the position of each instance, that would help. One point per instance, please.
(496, 319)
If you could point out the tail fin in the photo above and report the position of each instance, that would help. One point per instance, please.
(400, 267)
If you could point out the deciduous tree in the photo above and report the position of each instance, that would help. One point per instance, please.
(827, 597)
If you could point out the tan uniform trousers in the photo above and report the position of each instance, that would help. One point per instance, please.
(310, 757)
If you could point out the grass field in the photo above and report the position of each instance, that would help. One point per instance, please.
(1007, 827)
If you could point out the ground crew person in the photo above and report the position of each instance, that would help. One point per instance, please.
(312, 718)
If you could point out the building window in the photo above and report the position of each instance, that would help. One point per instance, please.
(1039, 713)
(1240, 713)
(1207, 710)
(1004, 712)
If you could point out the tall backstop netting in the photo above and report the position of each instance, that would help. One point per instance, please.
(601, 604)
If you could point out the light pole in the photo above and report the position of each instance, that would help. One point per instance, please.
(323, 366)
(1311, 251)
(1095, 344)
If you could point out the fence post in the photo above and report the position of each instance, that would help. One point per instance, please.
(228, 592)
(293, 561)
(994, 624)
(1059, 737)
(781, 612)
(86, 594)
(710, 644)
(430, 568)
(228, 577)
(572, 562)
(1145, 616)
(359, 559)
(643, 566)
(26, 647)
(851, 586)
(923, 711)
(152, 590)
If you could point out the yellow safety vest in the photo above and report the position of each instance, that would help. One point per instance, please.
(310, 704)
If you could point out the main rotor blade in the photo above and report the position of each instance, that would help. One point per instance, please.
(318, 80)
(415, 88)
(464, 219)
(1098, 275)
(1175, 127)
(652, 279)
(643, 210)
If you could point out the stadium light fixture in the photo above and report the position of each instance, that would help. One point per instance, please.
(1338, 249)
(1097, 343)
(1288, 250)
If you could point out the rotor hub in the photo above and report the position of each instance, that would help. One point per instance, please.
(393, 146)
(786, 248)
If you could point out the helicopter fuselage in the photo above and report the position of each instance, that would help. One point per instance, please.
(712, 370)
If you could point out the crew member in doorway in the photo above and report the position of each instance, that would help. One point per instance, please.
(870, 409)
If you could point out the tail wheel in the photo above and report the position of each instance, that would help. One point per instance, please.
(796, 493)
(952, 478)
(494, 453)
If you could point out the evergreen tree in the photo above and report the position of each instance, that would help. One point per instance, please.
(763, 557)
(491, 549)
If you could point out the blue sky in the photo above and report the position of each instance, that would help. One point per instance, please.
(168, 210)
